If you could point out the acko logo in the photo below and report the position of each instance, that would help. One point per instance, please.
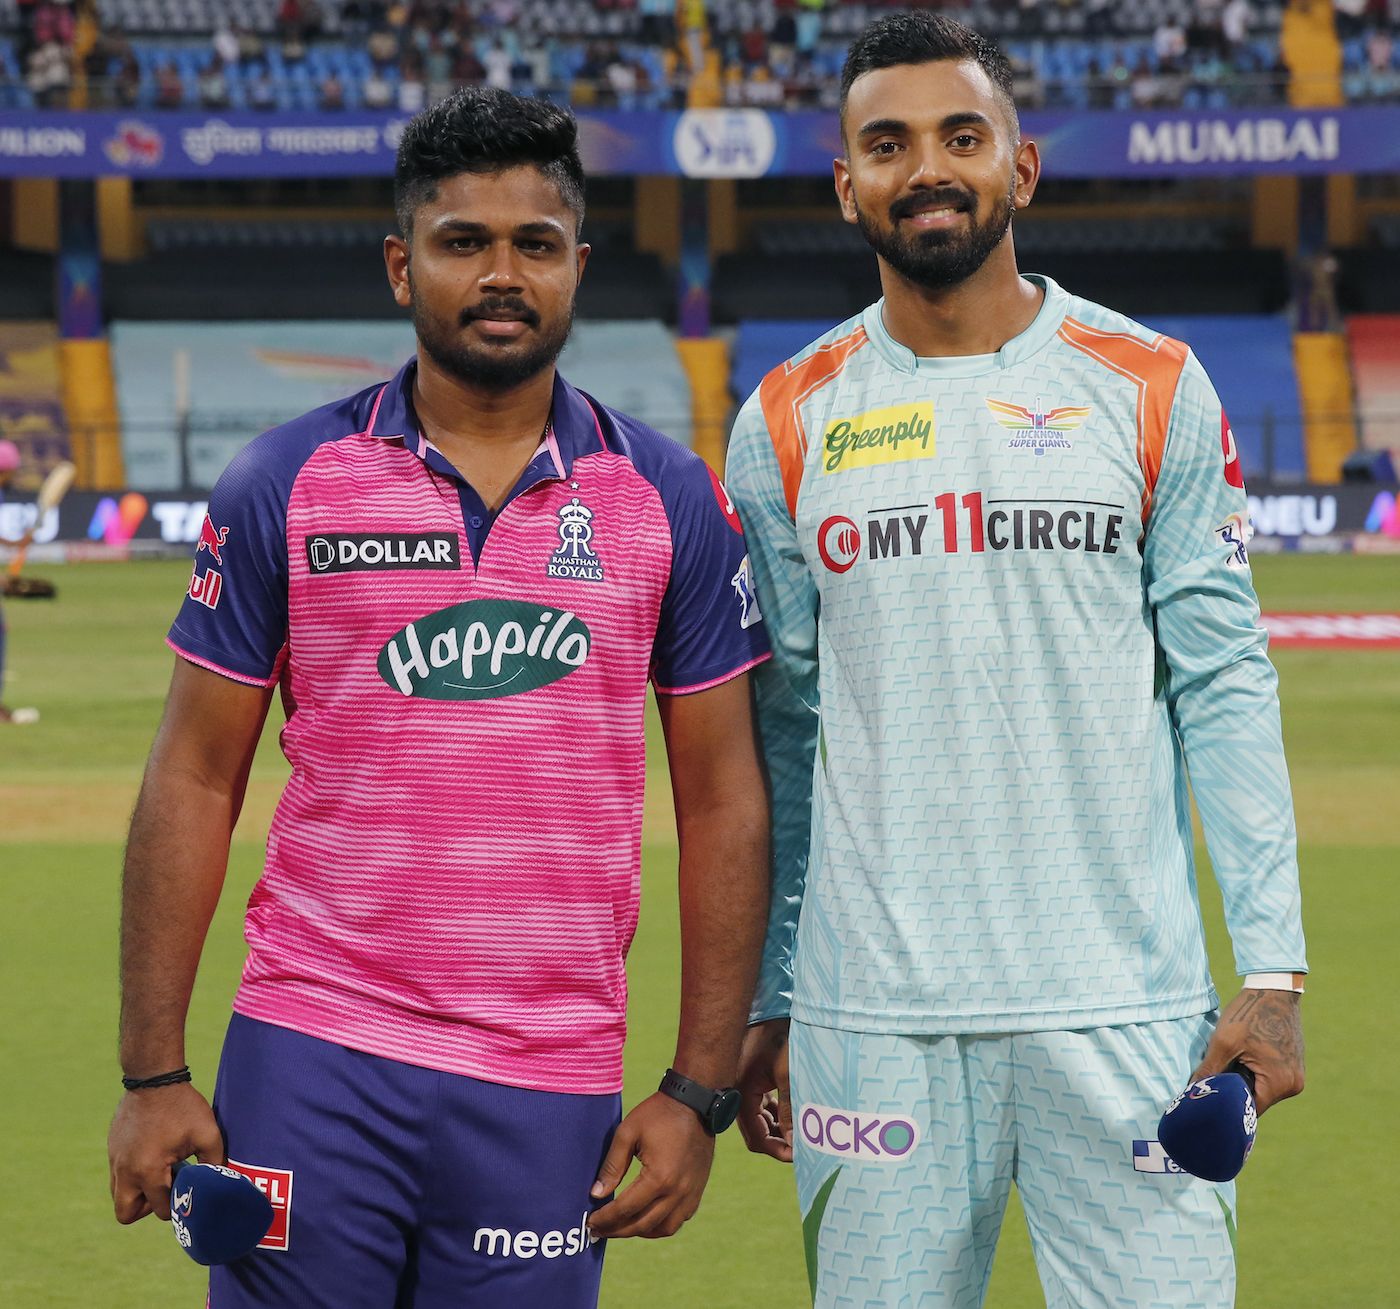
(850, 1134)
(500, 1243)
(838, 543)
(368, 552)
(484, 649)
(880, 436)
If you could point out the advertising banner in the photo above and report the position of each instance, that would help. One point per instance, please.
(703, 143)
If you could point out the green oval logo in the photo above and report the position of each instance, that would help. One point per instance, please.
(484, 649)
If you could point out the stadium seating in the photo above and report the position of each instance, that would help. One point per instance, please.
(1067, 55)
(1374, 340)
(1250, 360)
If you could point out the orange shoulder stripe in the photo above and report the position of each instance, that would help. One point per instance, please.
(1154, 367)
(782, 394)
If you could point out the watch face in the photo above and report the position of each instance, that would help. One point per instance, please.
(724, 1110)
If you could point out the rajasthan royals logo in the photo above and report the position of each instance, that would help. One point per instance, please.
(1039, 429)
(1235, 532)
(575, 559)
(742, 582)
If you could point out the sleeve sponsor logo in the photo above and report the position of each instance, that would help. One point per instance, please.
(276, 1184)
(1234, 474)
(212, 538)
(726, 505)
(880, 436)
(1234, 533)
(373, 552)
(207, 587)
(742, 582)
(484, 649)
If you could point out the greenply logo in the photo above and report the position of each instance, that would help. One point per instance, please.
(483, 649)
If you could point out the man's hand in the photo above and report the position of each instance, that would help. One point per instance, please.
(151, 1130)
(1263, 1030)
(765, 1112)
(676, 1154)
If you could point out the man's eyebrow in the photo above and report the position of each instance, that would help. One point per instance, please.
(465, 227)
(897, 126)
(881, 126)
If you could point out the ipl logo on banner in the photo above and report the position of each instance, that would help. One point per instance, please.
(724, 143)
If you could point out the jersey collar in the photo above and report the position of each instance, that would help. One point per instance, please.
(1040, 333)
(575, 426)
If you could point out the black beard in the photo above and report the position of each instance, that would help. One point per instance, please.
(937, 260)
(490, 367)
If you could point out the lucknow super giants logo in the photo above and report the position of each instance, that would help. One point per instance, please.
(853, 1134)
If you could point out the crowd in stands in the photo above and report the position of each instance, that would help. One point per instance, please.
(642, 54)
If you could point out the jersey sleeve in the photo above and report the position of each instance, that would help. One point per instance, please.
(1220, 686)
(710, 627)
(234, 617)
(786, 690)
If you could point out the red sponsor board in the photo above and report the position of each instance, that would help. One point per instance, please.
(1349, 631)
(276, 1184)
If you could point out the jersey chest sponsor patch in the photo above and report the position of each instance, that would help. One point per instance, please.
(363, 552)
(879, 436)
(484, 649)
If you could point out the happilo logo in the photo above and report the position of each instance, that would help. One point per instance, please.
(1038, 429)
(852, 1134)
(880, 436)
(484, 649)
(500, 1243)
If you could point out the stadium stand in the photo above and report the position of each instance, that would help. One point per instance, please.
(290, 54)
(1374, 340)
(1250, 360)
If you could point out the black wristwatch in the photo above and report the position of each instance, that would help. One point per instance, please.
(717, 1109)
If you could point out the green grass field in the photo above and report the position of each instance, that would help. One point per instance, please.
(1318, 1200)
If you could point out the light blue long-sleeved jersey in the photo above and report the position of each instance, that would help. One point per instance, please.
(1010, 604)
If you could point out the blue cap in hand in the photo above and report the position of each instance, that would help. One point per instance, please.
(217, 1214)
(1208, 1130)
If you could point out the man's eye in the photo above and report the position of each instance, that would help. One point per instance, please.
(885, 147)
(965, 141)
(464, 243)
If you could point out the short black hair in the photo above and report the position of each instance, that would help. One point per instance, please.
(922, 36)
(481, 129)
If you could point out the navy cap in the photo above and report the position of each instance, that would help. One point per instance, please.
(1208, 1130)
(217, 1214)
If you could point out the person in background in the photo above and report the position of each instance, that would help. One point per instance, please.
(9, 466)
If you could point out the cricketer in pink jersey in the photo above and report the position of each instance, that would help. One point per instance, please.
(461, 581)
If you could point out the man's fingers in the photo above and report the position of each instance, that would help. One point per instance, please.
(129, 1203)
(754, 1121)
(624, 1211)
(616, 1161)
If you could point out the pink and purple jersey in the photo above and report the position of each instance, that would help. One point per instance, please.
(452, 875)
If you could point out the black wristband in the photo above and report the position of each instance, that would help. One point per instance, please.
(161, 1079)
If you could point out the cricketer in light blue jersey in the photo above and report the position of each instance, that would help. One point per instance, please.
(998, 535)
